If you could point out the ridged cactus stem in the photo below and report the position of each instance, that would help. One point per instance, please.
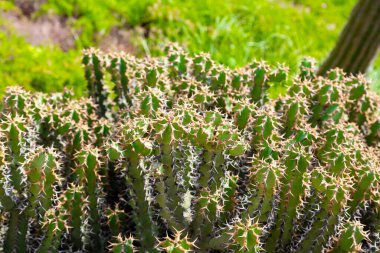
(57, 241)
(124, 80)
(48, 240)
(291, 118)
(6, 202)
(54, 224)
(118, 76)
(12, 233)
(290, 198)
(326, 219)
(259, 82)
(179, 244)
(77, 221)
(122, 244)
(204, 169)
(351, 238)
(94, 75)
(254, 202)
(33, 169)
(210, 212)
(16, 174)
(374, 135)
(229, 194)
(21, 244)
(73, 201)
(220, 242)
(49, 180)
(362, 188)
(99, 87)
(174, 199)
(334, 200)
(187, 167)
(165, 211)
(328, 230)
(246, 236)
(145, 226)
(218, 171)
(266, 203)
(267, 179)
(90, 167)
(315, 231)
(116, 218)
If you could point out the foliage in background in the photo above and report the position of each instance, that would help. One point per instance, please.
(43, 68)
(93, 19)
(234, 32)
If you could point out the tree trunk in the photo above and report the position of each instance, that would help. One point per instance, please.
(359, 41)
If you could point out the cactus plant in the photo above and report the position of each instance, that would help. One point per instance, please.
(181, 154)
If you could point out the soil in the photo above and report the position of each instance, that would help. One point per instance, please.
(118, 40)
(53, 30)
(45, 30)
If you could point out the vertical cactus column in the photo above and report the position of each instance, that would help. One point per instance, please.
(88, 174)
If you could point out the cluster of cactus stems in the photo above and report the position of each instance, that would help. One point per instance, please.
(180, 154)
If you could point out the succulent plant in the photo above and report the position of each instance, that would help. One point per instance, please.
(181, 154)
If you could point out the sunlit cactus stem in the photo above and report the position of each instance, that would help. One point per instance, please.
(351, 238)
(293, 189)
(173, 198)
(89, 163)
(116, 220)
(122, 244)
(12, 233)
(94, 75)
(72, 200)
(142, 215)
(54, 224)
(334, 200)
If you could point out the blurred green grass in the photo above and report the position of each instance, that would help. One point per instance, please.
(233, 32)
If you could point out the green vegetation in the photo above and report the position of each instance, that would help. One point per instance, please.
(181, 154)
(234, 32)
(42, 68)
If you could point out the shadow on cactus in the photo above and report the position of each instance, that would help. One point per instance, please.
(180, 154)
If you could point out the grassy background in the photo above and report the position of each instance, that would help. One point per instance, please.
(234, 32)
